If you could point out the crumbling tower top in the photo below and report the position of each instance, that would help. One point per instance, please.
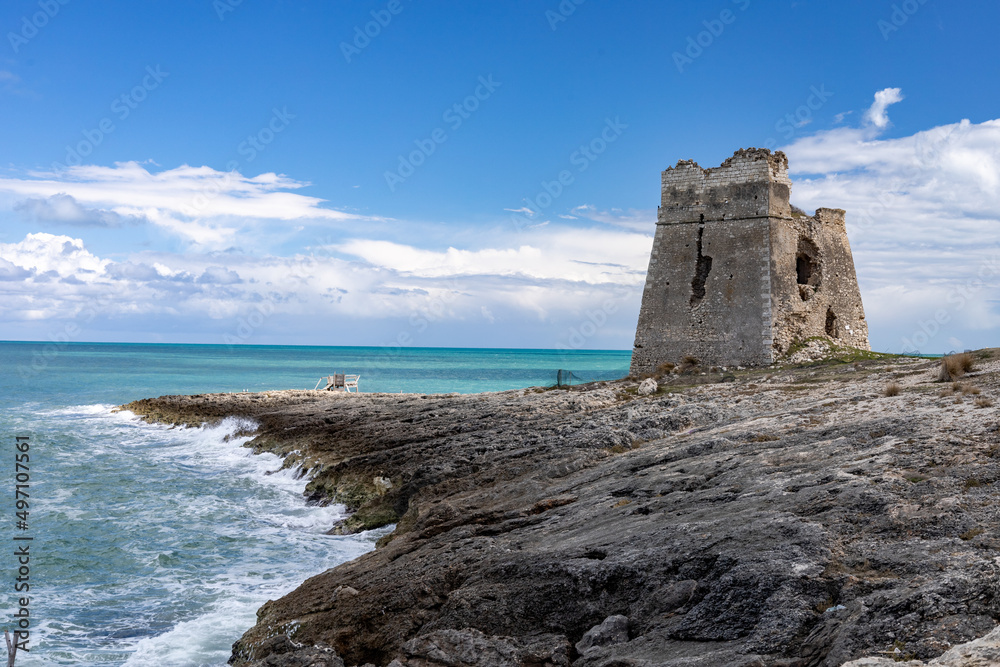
(752, 183)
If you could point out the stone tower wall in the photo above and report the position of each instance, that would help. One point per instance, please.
(730, 323)
(722, 283)
(815, 288)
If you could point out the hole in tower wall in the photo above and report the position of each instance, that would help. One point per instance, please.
(831, 324)
(803, 269)
(701, 270)
(807, 271)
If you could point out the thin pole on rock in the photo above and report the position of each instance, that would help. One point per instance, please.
(11, 648)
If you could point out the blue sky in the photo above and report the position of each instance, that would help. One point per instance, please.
(265, 172)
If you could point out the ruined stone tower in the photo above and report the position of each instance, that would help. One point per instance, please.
(735, 277)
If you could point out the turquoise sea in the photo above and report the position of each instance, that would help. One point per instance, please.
(155, 546)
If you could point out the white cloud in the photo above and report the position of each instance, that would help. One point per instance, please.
(846, 148)
(62, 208)
(876, 114)
(201, 205)
(943, 179)
(923, 218)
(219, 275)
(143, 272)
(63, 255)
(640, 220)
(524, 210)
(554, 280)
(11, 271)
(598, 256)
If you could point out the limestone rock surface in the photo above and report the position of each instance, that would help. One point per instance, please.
(647, 387)
(792, 517)
(982, 652)
(613, 630)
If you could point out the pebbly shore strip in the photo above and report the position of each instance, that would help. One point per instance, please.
(796, 517)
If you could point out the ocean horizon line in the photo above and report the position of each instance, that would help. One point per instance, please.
(293, 345)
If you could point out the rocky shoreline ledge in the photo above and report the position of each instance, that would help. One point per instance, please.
(787, 516)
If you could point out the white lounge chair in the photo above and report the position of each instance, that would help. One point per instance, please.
(339, 382)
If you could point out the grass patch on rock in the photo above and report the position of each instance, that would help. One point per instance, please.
(840, 354)
(971, 533)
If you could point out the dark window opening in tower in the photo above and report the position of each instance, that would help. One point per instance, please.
(807, 273)
(803, 269)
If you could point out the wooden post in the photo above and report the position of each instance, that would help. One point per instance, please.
(11, 648)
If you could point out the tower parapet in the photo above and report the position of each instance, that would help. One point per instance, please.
(751, 184)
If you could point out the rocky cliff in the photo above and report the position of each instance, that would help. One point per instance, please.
(787, 516)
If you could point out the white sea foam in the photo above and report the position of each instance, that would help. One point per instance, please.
(206, 640)
(168, 539)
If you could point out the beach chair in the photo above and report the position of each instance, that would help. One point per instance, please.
(339, 382)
